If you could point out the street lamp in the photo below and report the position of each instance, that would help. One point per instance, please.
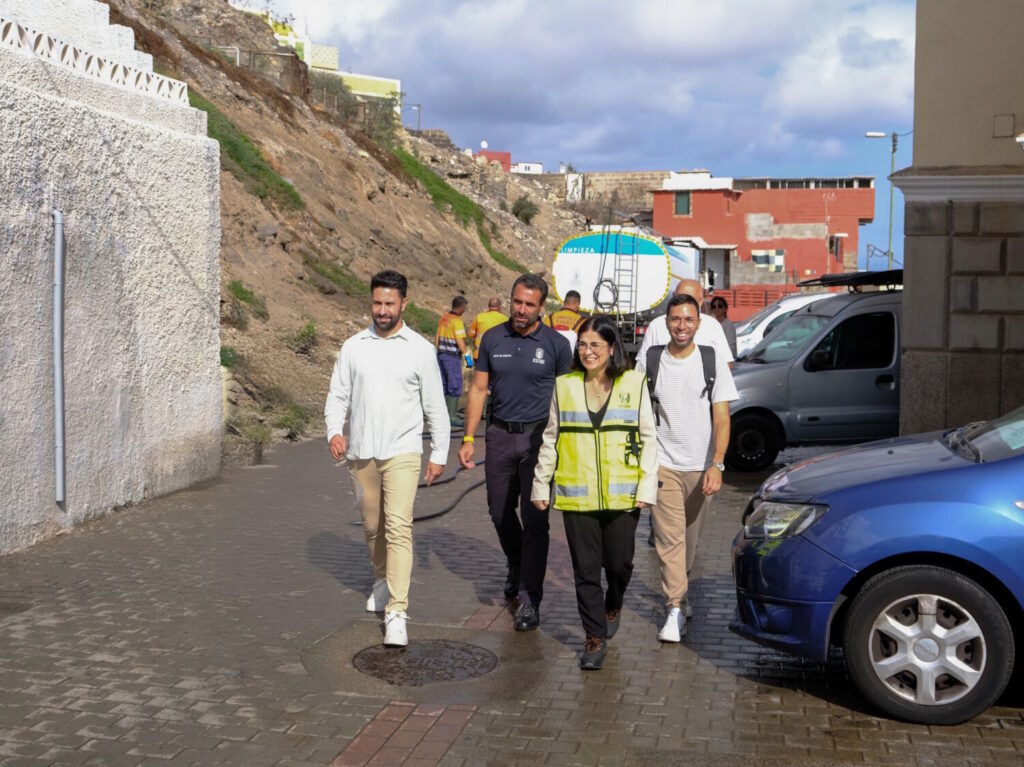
(419, 112)
(892, 169)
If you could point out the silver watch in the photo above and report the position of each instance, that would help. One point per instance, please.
(719, 466)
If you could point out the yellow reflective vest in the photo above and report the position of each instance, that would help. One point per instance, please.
(598, 468)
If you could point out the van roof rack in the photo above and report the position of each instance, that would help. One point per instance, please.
(853, 280)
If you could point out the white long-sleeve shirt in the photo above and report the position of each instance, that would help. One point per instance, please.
(384, 387)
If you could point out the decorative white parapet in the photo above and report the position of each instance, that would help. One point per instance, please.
(41, 45)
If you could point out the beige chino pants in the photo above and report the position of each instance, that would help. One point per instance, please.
(677, 522)
(386, 491)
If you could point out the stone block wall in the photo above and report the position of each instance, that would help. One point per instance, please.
(963, 313)
(131, 168)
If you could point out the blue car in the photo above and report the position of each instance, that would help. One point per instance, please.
(908, 553)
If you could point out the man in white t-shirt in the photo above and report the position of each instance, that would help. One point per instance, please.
(693, 434)
(709, 334)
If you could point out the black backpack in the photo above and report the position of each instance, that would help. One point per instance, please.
(707, 357)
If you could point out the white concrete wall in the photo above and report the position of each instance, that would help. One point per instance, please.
(138, 182)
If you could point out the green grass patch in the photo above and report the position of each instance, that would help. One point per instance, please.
(295, 418)
(340, 276)
(303, 340)
(243, 159)
(230, 357)
(421, 319)
(256, 305)
(464, 209)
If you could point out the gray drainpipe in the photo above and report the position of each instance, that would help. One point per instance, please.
(58, 353)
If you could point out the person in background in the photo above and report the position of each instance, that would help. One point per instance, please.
(384, 381)
(720, 311)
(710, 333)
(600, 447)
(450, 343)
(480, 325)
(566, 319)
(484, 322)
(518, 361)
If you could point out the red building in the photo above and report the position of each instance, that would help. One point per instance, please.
(762, 235)
(505, 158)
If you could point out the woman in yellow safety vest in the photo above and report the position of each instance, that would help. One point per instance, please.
(600, 448)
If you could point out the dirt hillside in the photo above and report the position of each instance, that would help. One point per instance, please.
(295, 269)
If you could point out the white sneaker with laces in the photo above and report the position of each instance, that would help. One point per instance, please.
(674, 628)
(395, 634)
(378, 597)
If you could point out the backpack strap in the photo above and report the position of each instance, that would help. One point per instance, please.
(707, 358)
(653, 363)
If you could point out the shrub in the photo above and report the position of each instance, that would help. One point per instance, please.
(235, 314)
(421, 319)
(256, 305)
(230, 357)
(303, 340)
(525, 209)
(295, 418)
(340, 276)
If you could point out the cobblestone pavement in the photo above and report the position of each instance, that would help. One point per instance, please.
(219, 626)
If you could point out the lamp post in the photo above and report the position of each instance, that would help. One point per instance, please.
(419, 112)
(892, 169)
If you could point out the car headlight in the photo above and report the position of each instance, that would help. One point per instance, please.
(781, 520)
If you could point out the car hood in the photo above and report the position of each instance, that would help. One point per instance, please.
(872, 462)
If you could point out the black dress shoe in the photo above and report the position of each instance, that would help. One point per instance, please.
(613, 618)
(512, 581)
(527, 618)
(593, 654)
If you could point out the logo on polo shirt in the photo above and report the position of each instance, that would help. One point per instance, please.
(538, 357)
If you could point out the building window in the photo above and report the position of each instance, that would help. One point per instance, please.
(682, 203)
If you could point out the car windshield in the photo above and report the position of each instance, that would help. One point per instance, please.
(996, 439)
(748, 326)
(788, 339)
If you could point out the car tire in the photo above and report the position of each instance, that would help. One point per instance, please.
(753, 443)
(944, 669)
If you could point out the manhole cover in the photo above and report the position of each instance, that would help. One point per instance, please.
(425, 662)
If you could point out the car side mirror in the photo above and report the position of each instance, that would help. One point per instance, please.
(819, 360)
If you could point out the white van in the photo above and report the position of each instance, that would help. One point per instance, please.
(750, 333)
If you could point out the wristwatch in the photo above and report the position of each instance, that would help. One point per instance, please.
(719, 466)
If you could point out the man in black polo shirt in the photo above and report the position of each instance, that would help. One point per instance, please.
(518, 361)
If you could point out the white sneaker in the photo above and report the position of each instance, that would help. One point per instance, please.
(687, 610)
(378, 597)
(674, 628)
(395, 634)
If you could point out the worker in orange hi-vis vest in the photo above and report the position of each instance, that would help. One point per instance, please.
(568, 318)
(484, 322)
(450, 343)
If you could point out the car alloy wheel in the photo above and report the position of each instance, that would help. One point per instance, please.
(928, 645)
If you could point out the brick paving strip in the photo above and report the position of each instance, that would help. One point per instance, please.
(406, 734)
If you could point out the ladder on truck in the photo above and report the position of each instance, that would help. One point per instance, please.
(621, 285)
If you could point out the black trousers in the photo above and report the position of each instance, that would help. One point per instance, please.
(600, 539)
(508, 470)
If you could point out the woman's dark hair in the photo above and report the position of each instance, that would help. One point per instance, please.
(605, 327)
(389, 279)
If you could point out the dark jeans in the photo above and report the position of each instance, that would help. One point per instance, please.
(600, 539)
(508, 469)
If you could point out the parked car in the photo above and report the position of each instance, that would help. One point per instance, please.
(828, 373)
(750, 333)
(907, 553)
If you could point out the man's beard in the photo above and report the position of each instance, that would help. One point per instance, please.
(386, 324)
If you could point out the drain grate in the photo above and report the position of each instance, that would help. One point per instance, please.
(426, 662)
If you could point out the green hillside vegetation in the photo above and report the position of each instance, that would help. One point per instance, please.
(464, 209)
(243, 159)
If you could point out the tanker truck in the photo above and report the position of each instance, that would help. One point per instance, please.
(622, 271)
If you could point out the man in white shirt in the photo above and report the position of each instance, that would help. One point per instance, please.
(385, 380)
(709, 334)
(693, 434)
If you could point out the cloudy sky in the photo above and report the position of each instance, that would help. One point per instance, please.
(739, 87)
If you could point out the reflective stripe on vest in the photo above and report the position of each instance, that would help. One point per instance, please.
(598, 468)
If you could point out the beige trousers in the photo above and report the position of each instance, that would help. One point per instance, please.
(677, 521)
(386, 491)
